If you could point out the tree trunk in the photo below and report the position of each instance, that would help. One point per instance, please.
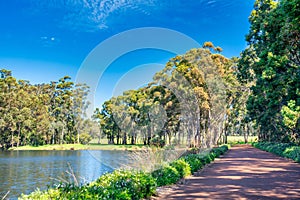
(132, 140)
(118, 139)
(78, 136)
(19, 133)
(246, 133)
(12, 139)
(124, 142)
(62, 135)
(225, 134)
(149, 135)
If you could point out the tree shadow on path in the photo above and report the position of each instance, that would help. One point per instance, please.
(243, 173)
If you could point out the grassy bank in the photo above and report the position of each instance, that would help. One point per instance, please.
(130, 184)
(80, 147)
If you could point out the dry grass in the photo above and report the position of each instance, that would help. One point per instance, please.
(149, 159)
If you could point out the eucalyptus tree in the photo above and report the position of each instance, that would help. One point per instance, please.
(180, 101)
(62, 108)
(8, 87)
(107, 124)
(185, 103)
(166, 98)
(80, 105)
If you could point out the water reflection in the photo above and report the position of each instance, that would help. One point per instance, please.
(24, 171)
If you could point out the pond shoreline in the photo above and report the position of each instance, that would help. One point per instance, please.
(76, 147)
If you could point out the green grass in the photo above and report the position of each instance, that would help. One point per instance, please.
(52, 147)
(80, 147)
(240, 139)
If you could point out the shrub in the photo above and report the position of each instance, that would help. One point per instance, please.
(121, 184)
(85, 138)
(281, 149)
(206, 159)
(194, 162)
(223, 149)
(125, 185)
(212, 156)
(217, 152)
(166, 175)
(182, 167)
(292, 153)
(194, 150)
(41, 195)
(157, 142)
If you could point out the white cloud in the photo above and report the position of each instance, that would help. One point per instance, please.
(91, 15)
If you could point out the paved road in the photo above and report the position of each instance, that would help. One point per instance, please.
(243, 173)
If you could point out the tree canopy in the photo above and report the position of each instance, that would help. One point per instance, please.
(271, 62)
(40, 114)
(186, 103)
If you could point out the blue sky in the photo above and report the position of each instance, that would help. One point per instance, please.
(42, 41)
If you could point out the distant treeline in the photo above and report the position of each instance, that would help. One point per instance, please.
(41, 114)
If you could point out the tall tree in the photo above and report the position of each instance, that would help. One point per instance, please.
(272, 59)
(40, 114)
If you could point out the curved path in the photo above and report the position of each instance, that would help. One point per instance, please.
(243, 173)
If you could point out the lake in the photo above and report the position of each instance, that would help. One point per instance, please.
(24, 171)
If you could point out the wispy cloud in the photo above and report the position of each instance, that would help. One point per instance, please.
(94, 15)
(91, 15)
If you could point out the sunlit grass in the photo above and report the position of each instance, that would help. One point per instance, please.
(93, 145)
(241, 139)
(80, 147)
(52, 147)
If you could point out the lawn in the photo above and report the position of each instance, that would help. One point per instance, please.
(80, 147)
(241, 139)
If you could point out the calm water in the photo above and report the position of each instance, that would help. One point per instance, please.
(23, 171)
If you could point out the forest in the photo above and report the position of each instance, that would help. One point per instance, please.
(198, 99)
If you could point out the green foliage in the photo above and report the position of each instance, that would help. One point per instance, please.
(225, 147)
(220, 150)
(84, 138)
(182, 167)
(125, 185)
(119, 185)
(41, 195)
(292, 153)
(291, 119)
(271, 63)
(166, 175)
(194, 150)
(207, 159)
(157, 142)
(40, 114)
(281, 149)
(182, 85)
(194, 161)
